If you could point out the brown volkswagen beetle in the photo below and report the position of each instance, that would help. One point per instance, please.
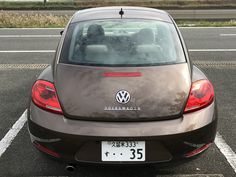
(122, 90)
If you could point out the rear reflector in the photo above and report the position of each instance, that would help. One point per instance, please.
(201, 95)
(122, 74)
(46, 150)
(44, 96)
(197, 151)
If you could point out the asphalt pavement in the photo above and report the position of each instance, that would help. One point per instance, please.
(36, 46)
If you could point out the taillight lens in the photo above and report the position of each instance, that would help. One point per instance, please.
(201, 95)
(44, 95)
(198, 150)
(46, 150)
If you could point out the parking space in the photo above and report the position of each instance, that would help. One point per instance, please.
(21, 159)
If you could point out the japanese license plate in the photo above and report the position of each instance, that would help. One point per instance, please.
(123, 150)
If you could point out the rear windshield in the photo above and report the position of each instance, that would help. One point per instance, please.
(122, 42)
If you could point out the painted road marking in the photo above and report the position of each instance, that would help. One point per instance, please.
(27, 51)
(228, 35)
(11, 134)
(57, 36)
(212, 50)
(185, 27)
(28, 36)
(2, 29)
(206, 27)
(53, 51)
(226, 150)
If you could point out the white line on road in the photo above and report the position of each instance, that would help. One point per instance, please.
(2, 29)
(226, 150)
(207, 27)
(11, 134)
(184, 27)
(52, 51)
(28, 36)
(227, 35)
(27, 51)
(212, 50)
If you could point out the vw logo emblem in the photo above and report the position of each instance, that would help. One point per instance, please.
(122, 97)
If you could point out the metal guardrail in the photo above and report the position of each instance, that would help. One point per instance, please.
(176, 14)
(207, 14)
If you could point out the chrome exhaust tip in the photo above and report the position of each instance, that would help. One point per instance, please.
(70, 168)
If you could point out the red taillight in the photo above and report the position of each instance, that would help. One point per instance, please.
(46, 150)
(44, 95)
(198, 150)
(201, 95)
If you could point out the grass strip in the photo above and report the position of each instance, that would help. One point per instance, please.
(29, 20)
(32, 20)
(81, 4)
(205, 23)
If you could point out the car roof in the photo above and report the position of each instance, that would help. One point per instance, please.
(130, 12)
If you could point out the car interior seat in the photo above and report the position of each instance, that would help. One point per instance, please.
(146, 48)
(96, 50)
(95, 34)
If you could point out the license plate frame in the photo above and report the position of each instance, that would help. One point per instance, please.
(123, 151)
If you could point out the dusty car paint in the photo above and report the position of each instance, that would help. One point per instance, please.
(160, 92)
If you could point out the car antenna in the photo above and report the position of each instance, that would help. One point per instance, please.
(121, 12)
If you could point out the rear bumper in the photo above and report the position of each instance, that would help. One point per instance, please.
(80, 141)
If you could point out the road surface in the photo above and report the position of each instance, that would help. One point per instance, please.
(22, 55)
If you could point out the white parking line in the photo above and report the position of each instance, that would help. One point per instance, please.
(228, 35)
(52, 51)
(212, 50)
(27, 51)
(226, 150)
(208, 27)
(184, 27)
(29, 36)
(2, 29)
(11, 134)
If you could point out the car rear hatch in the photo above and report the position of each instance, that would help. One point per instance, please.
(90, 92)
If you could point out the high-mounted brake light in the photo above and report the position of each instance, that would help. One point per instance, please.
(122, 74)
(44, 96)
(201, 95)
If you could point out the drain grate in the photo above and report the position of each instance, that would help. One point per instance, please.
(22, 66)
(200, 64)
(216, 64)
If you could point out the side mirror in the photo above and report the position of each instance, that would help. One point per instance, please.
(61, 32)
